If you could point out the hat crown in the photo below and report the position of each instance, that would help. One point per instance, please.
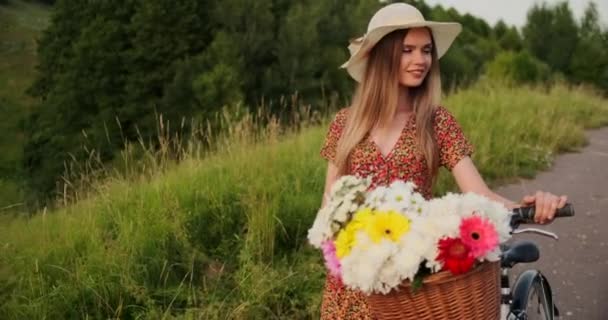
(395, 14)
(388, 19)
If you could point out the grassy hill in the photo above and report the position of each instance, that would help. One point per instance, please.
(20, 25)
(222, 236)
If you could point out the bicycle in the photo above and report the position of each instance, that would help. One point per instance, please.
(531, 296)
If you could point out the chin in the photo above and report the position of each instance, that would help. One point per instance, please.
(410, 83)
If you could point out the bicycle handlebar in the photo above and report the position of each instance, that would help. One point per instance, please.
(526, 214)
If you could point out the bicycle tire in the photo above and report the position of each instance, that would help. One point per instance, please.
(532, 297)
(537, 306)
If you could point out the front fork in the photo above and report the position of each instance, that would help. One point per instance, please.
(505, 295)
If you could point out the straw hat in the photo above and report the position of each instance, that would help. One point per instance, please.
(388, 19)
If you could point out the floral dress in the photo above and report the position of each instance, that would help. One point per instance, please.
(404, 162)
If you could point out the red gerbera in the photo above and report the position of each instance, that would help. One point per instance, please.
(455, 255)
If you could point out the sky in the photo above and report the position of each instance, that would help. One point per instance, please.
(513, 12)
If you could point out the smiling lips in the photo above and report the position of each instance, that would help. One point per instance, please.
(418, 73)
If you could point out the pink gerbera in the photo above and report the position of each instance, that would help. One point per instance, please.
(479, 234)
(331, 259)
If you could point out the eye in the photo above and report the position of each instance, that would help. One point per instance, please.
(407, 50)
(427, 50)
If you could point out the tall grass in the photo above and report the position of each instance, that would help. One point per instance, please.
(517, 131)
(222, 235)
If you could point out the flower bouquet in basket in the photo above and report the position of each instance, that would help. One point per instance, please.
(396, 247)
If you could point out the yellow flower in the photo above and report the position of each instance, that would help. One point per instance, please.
(378, 225)
(390, 225)
(362, 217)
(346, 239)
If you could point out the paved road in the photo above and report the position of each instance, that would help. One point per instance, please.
(577, 264)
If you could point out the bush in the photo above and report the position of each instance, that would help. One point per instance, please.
(519, 67)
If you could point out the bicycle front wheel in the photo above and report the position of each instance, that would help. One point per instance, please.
(532, 297)
(537, 306)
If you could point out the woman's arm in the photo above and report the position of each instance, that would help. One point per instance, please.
(469, 180)
(330, 178)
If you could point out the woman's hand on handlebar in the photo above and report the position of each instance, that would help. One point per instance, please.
(546, 203)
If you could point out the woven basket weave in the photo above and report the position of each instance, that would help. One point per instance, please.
(474, 295)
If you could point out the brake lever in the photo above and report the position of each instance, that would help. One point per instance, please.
(537, 231)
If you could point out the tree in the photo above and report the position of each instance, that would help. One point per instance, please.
(551, 34)
(103, 60)
(161, 33)
(508, 38)
(205, 83)
(500, 28)
(464, 61)
(108, 61)
(75, 76)
(589, 62)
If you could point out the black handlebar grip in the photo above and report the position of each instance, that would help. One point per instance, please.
(526, 214)
(566, 211)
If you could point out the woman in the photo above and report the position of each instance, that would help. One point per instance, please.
(395, 128)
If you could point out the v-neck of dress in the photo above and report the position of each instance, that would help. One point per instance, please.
(395, 145)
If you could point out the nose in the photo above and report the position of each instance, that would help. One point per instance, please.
(419, 57)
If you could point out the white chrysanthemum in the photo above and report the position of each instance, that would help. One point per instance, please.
(376, 197)
(361, 268)
(440, 219)
(417, 203)
(406, 186)
(408, 265)
(435, 228)
(321, 228)
(397, 268)
(338, 209)
(449, 204)
(337, 186)
(493, 255)
(398, 196)
(413, 247)
(398, 199)
(388, 276)
(340, 214)
(348, 186)
(418, 240)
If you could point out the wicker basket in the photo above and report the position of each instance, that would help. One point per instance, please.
(474, 295)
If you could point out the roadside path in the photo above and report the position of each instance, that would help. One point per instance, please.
(577, 264)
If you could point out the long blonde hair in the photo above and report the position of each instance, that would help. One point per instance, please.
(376, 101)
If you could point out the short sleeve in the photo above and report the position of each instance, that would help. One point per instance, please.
(330, 146)
(453, 145)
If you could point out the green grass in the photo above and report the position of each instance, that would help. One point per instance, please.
(222, 236)
(518, 131)
(20, 25)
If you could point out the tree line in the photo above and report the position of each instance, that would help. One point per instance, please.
(47, 2)
(109, 68)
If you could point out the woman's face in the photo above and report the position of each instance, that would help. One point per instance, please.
(416, 57)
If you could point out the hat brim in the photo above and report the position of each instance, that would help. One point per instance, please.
(444, 34)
